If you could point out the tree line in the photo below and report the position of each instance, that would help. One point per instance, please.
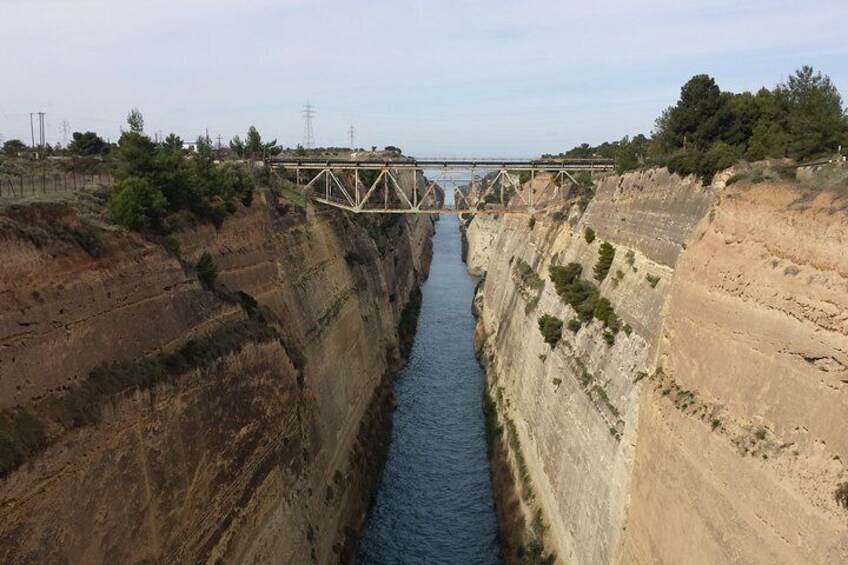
(708, 129)
(159, 186)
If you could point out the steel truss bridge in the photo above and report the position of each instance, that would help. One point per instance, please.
(416, 186)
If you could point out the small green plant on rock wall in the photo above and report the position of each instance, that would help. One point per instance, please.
(574, 325)
(551, 329)
(589, 235)
(652, 280)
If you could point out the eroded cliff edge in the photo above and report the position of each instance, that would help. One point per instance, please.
(713, 428)
(266, 448)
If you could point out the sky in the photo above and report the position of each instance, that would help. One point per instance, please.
(437, 78)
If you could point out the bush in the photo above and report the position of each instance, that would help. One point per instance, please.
(719, 157)
(207, 271)
(551, 329)
(589, 235)
(136, 204)
(579, 293)
(841, 495)
(527, 275)
(652, 280)
(605, 313)
(354, 258)
(87, 237)
(532, 223)
(20, 435)
(606, 254)
(609, 337)
(171, 245)
(574, 325)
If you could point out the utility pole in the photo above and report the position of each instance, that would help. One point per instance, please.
(352, 133)
(219, 142)
(31, 131)
(308, 131)
(41, 139)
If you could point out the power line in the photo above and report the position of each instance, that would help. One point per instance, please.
(308, 132)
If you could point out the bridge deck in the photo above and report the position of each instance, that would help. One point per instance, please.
(456, 164)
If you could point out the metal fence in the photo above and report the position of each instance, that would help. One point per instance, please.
(30, 185)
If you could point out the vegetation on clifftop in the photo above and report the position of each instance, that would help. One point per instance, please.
(708, 129)
(160, 185)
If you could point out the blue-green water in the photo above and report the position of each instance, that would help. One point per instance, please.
(434, 503)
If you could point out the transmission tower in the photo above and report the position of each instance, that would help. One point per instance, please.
(66, 128)
(352, 134)
(308, 132)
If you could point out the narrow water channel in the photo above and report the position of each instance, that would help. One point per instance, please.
(434, 503)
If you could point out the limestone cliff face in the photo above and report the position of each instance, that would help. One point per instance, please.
(266, 454)
(715, 430)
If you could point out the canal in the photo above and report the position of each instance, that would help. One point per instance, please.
(434, 503)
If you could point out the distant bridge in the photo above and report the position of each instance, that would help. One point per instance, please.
(490, 186)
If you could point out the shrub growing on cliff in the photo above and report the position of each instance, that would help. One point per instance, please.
(20, 436)
(606, 254)
(579, 293)
(606, 314)
(551, 329)
(207, 271)
(841, 495)
(589, 235)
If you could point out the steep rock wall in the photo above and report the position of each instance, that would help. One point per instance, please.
(739, 324)
(270, 453)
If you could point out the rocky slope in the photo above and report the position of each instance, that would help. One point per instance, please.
(713, 428)
(173, 423)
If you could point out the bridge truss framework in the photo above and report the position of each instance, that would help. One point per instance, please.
(374, 186)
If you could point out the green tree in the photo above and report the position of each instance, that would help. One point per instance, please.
(136, 121)
(135, 154)
(252, 147)
(87, 144)
(817, 123)
(767, 140)
(13, 146)
(136, 204)
(697, 119)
